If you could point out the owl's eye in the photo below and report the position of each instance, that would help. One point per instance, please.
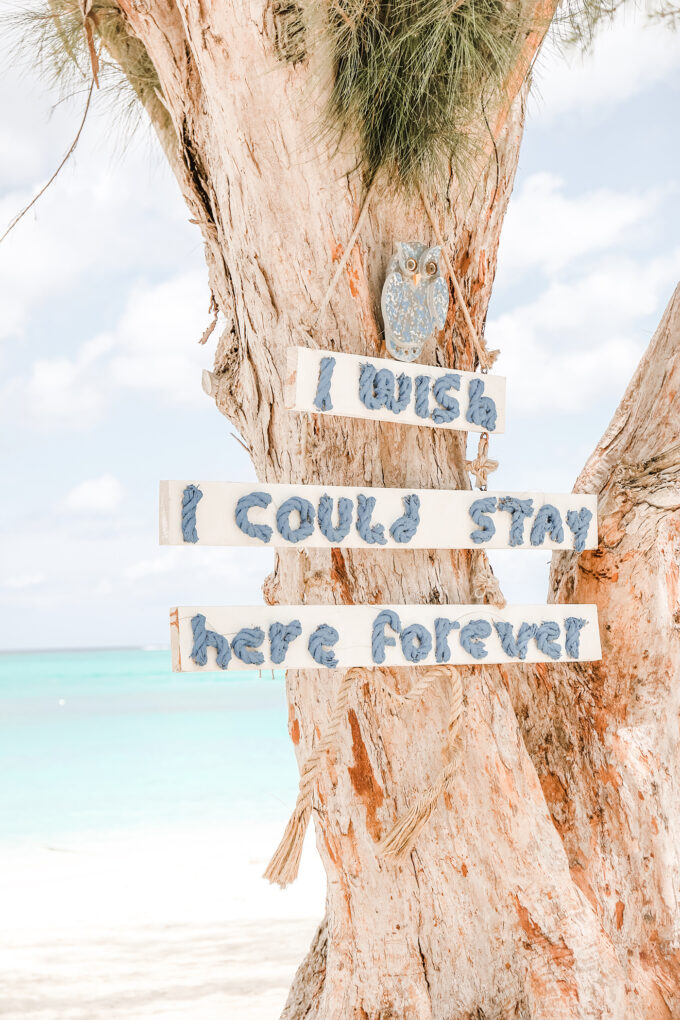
(431, 268)
(411, 265)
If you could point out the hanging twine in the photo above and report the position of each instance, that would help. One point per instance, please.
(285, 864)
(485, 357)
(402, 837)
(481, 467)
(485, 586)
(345, 256)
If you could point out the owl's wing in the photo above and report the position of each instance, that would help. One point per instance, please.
(394, 301)
(440, 301)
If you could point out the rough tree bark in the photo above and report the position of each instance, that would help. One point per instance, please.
(485, 920)
(605, 737)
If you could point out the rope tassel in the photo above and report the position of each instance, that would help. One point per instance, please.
(402, 837)
(285, 864)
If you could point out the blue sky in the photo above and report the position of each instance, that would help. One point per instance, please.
(103, 296)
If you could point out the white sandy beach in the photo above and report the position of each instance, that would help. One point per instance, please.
(158, 925)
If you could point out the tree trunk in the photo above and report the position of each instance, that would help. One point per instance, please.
(484, 919)
(605, 737)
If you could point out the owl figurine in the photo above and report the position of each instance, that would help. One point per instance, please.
(415, 299)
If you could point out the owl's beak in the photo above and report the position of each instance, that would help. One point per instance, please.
(416, 279)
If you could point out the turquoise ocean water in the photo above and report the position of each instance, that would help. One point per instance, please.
(96, 741)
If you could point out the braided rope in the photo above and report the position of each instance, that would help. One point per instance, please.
(285, 863)
(401, 838)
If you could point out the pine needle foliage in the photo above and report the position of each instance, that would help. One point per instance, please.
(52, 36)
(410, 80)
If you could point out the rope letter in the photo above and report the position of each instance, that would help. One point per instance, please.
(372, 535)
(404, 528)
(325, 517)
(245, 643)
(323, 635)
(378, 639)
(280, 636)
(471, 635)
(306, 526)
(481, 410)
(190, 500)
(261, 531)
(578, 522)
(204, 639)
(548, 521)
(449, 408)
(322, 400)
(478, 512)
(572, 641)
(519, 509)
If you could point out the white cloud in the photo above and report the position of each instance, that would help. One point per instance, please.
(629, 56)
(22, 582)
(156, 341)
(546, 228)
(96, 495)
(581, 340)
(153, 347)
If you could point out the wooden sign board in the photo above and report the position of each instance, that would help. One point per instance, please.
(351, 386)
(317, 516)
(313, 637)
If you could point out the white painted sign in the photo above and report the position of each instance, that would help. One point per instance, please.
(304, 637)
(352, 386)
(317, 516)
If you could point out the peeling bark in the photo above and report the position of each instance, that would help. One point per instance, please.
(605, 737)
(502, 910)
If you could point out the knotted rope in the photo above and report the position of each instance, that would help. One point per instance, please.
(485, 586)
(481, 467)
(401, 838)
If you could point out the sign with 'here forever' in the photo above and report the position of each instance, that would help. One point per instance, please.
(330, 637)
(249, 513)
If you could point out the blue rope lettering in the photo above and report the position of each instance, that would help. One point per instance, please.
(203, 639)
(578, 522)
(416, 633)
(515, 647)
(379, 641)
(401, 401)
(449, 407)
(548, 520)
(373, 535)
(377, 389)
(442, 629)
(404, 528)
(190, 500)
(306, 526)
(545, 639)
(481, 410)
(261, 531)
(322, 400)
(572, 641)
(323, 635)
(471, 638)
(325, 517)
(519, 508)
(478, 512)
(245, 643)
(280, 636)
(374, 386)
(422, 402)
